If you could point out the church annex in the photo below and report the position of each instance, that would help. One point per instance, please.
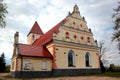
(67, 49)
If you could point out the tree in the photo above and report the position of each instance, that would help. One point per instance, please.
(3, 12)
(102, 50)
(2, 63)
(116, 18)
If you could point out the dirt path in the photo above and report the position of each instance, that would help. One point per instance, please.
(62, 78)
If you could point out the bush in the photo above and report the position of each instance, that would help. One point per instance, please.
(7, 68)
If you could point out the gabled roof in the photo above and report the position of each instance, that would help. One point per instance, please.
(36, 29)
(47, 37)
(34, 51)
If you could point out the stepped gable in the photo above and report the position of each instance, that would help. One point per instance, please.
(36, 29)
(33, 51)
(47, 37)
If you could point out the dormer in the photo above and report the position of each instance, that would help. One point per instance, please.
(34, 33)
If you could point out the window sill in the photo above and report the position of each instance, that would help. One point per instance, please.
(71, 66)
(26, 69)
(88, 66)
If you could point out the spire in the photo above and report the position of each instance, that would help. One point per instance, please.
(36, 29)
(76, 9)
(76, 12)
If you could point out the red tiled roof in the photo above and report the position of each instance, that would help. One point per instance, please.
(34, 51)
(36, 29)
(47, 37)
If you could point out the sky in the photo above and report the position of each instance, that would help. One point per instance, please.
(23, 13)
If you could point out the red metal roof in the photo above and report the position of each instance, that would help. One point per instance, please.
(36, 29)
(47, 37)
(35, 51)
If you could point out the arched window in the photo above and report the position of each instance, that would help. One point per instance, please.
(88, 59)
(71, 59)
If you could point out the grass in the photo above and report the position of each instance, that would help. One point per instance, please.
(109, 74)
(8, 76)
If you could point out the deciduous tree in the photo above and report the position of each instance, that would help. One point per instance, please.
(3, 12)
(116, 18)
(102, 50)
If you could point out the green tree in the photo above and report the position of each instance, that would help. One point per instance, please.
(7, 68)
(3, 12)
(116, 18)
(2, 63)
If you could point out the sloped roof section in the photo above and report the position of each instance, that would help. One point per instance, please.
(36, 29)
(33, 51)
(47, 37)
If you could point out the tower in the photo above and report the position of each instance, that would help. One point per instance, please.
(16, 40)
(34, 33)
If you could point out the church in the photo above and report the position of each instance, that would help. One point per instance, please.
(68, 49)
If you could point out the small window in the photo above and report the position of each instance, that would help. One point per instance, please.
(75, 36)
(44, 65)
(67, 35)
(82, 38)
(80, 25)
(88, 40)
(74, 23)
(26, 65)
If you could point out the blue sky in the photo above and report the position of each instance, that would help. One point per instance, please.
(23, 13)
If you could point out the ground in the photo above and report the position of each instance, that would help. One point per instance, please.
(2, 77)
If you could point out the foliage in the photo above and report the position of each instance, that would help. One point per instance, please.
(3, 12)
(2, 63)
(116, 18)
(110, 74)
(7, 68)
(114, 73)
(115, 68)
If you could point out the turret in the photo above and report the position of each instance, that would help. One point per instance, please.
(16, 38)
